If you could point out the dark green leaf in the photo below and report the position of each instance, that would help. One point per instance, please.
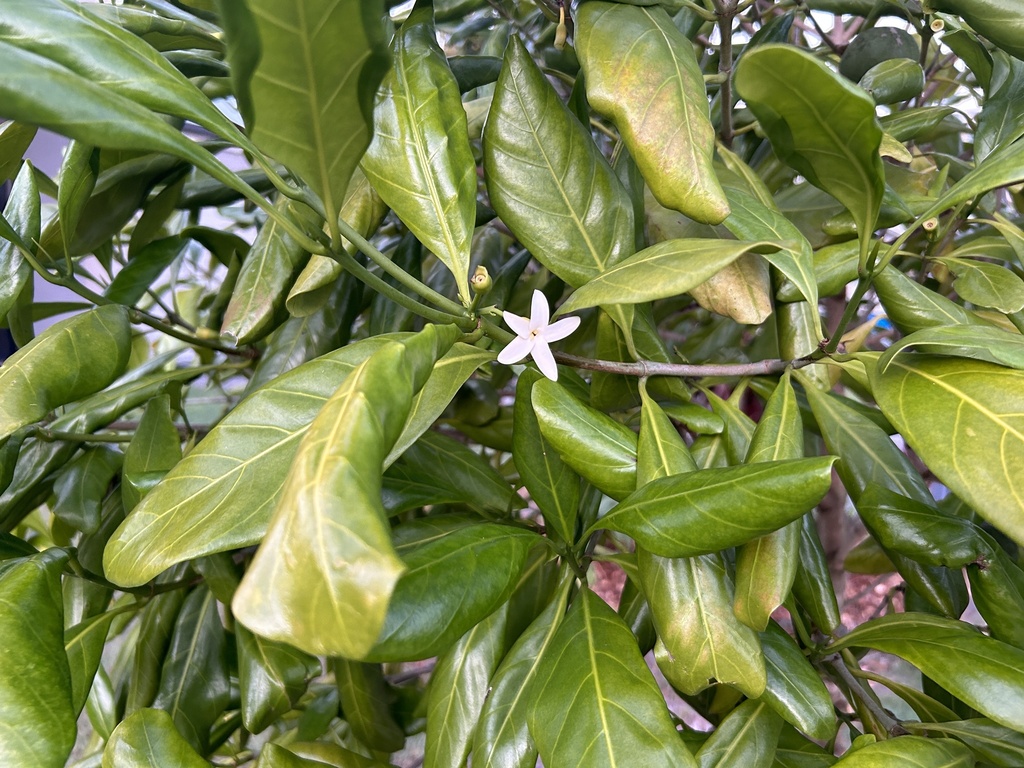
(992, 743)
(747, 737)
(21, 213)
(15, 139)
(366, 704)
(912, 307)
(139, 274)
(813, 583)
(149, 739)
(893, 80)
(84, 644)
(155, 448)
(314, 754)
(794, 689)
(271, 678)
(82, 486)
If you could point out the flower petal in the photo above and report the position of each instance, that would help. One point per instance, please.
(516, 350)
(540, 313)
(545, 360)
(559, 330)
(521, 325)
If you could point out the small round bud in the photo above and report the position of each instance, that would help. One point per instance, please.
(930, 225)
(481, 281)
(937, 25)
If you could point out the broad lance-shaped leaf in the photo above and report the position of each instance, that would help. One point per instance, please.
(324, 575)
(221, 496)
(985, 673)
(21, 215)
(991, 344)
(37, 721)
(820, 124)
(747, 737)
(595, 702)
(548, 180)
(70, 360)
(313, 98)
(909, 752)
(664, 270)
(992, 743)
(154, 449)
(149, 739)
(366, 704)
(794, 688)
(642, 72)
(419, 159)
(710, 510)
(965, 419)
(271, 678)
(700, 640)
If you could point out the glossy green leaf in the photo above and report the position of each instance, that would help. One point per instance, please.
(985, 673)
(155, 629)
(222, 494)
(991, 344)
(997, 587)
(577, 224)
(998, 20)
(893, 80)
(660, 449)
(766, 566)
(595, 702)
(76, 182)
(909, 752)
(642, 73)
(795, 751)
(271, 678)
(419, 159)
(459, 687)
(794, 689)
(83, 484)
(15, 139)
(1002, 116)
(21, 213)
(163, 33)
(987, 285)
(700, 640)
(149, 739)
(70, 360)
(820, 124)
(600, 449)
(552, 484)
(963, 418)
(138, 275)
(502, 738)
(670, 268)
(747, 737)
(462, 569)
(440, 470)
(37, 717)
(268, 271)
(912, 307)
(324, 574)
(366, 704)
(194, 687)
(992, 743)
(697, 513)
(155, 447)
(314, 754)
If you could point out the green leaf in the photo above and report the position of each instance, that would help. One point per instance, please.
(155, 447)
(222, 494)
(795, 751)
(366, 704)
(194, 687)
(987, 285)
(138, 275)
(912, 307)
(794, 688)
(577, 224)
(964, 419)
(440, 470)
(258, 298)
(747, 737)
(600, 449)
(419, 159)
(820, 124)
(459, 687)
(1002, 115)
(82, 486)
(271, 678)
(595, 703)
(991, 344)
(502, 738)
(326, 569)
(660, 449)
(314, 754)
(155, 629)
(696, 513)
(312, 97)
(813, 583)
(462, 569)
(700, 640)
(766, 566)
(21, 215)
(642, 73)
(68, 361)
(15, 139)
(893, 80)
(552, 484)
(998, 20)
(149, 739)
(37, 717)
(909, 752)
(985, 673)
(76, 182)
(992, 743)
(84, 645)
(670, 268)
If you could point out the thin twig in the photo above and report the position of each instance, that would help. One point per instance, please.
(643, 368)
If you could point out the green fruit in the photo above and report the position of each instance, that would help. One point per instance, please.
(875, 45)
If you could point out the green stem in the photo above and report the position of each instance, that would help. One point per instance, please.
(52, 436)
(726, 11)
(642, 368)
(863, 283)
(864, 696)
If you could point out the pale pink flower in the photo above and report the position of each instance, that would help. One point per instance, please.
(533, 335)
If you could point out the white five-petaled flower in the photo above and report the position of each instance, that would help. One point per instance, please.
(533, 334)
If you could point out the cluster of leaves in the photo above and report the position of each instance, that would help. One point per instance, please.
(273, 462)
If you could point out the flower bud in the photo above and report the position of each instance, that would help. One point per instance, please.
(481, 281)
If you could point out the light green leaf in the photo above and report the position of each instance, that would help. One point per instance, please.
(700, 640)
(68, 361)
(992, 743)
(222, 494)
(84, 644)
(794, 688)
(660, 449)
(314, 754)
(312, 97)
(820, 124)
(909, 752)
(706, 511)
(985, 673)
(155, 448)
(991, 344)
(747, 737)
(138, 275)
(37, 718)
(965, 419)
(547, 179)
(642, 73)
(893, 80)
(595, 703)
(1002, 113)
(670, 268)
(912, 307)
(987, 285)
(271, 678)
(149, 739)
(419, 159)
(324, 575)
(15, 139)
